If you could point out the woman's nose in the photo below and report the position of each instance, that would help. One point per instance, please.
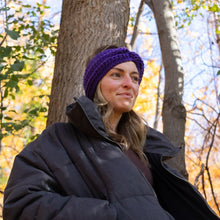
(127, 81)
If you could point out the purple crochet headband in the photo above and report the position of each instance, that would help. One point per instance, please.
(103, 62)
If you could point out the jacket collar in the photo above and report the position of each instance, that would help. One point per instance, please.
(84, 115)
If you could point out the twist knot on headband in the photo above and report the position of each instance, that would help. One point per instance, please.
(103, 62)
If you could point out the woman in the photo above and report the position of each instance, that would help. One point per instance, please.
(105, 164)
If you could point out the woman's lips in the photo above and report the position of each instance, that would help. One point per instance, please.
(125, 94)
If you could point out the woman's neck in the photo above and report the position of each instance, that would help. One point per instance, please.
(114, 120)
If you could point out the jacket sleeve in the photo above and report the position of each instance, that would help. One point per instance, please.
(33, 193)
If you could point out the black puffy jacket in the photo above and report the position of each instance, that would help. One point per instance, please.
(74, 171)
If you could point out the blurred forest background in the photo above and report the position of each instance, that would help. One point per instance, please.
(28, 43)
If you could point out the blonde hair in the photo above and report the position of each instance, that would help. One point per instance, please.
(131, 130)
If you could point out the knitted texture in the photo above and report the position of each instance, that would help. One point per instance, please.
(103, 62)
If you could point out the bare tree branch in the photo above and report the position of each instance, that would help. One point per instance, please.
(3, 40)
(193, 119)
(137, 24)
(207, 163)
(149, 3)
(203, 185)
(156, 118)
(199, 174)
(211, 107)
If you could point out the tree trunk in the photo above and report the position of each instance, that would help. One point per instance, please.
(85, 25)
(157, 115)
(173, 113)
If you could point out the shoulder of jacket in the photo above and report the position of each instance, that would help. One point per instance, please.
(50, 137)
(51, 145)
(158, 143)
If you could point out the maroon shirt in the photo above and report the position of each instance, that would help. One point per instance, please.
(140, 164)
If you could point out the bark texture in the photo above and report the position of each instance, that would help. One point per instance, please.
(85, 25)
(173, 113)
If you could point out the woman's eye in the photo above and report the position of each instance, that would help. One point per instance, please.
(116, 75)
(135, 78)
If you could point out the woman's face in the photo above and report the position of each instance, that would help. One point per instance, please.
(120, 86)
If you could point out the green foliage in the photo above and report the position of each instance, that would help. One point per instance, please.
(13, 34)
(132, 21)
(214, 8)
(3, 178)
(33, 110)
(26, 40)
(192, 9)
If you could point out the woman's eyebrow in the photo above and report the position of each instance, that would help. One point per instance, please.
(119, 69)
(116, 68)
